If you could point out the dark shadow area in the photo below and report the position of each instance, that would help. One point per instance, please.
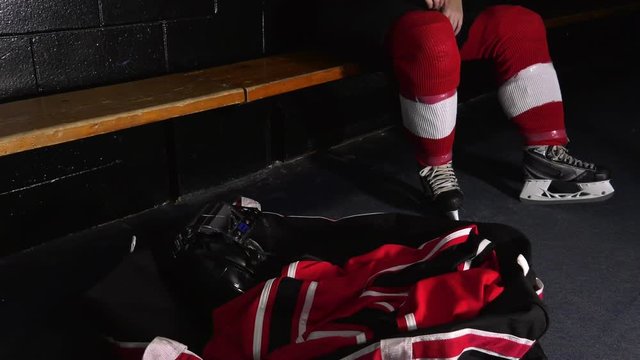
(375, 182)
(501, 174)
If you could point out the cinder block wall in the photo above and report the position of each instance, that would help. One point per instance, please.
(50, 46)
(57, 45)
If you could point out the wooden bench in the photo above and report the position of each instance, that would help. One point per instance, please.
(49, 120)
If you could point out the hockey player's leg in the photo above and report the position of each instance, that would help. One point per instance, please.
(515, 39)
(426, 62)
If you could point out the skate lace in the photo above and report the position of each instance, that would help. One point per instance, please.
(440, 178)
(562, 154)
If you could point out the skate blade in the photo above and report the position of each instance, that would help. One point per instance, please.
(537, 192)
(453, 215)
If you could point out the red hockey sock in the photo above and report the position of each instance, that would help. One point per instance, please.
(426, 62)
(515, 39)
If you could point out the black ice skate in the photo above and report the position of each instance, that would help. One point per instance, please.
(554, 176)
(440, 183)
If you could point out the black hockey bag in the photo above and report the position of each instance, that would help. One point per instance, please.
(379, 286)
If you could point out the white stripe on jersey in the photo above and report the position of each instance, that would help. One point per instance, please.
(447, 336)
(522, 261)
(340, 333)
(483, 245)
(386, 305)
(441, 243)
(396, 349)
(446, 239)
(306, 308)
(257, 327)
(411, 321)
(488, 352)
(539, 287)
(291, 270)
(377, 293)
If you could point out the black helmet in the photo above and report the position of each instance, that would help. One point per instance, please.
(214, 257)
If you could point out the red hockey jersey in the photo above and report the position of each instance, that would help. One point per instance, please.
(373, 304)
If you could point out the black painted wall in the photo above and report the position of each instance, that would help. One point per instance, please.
(217, 146)
(49, 46)
(62, 189)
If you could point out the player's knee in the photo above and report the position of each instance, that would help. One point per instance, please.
(425, 35)
(425, 55)
(516, 23)
(418, 21)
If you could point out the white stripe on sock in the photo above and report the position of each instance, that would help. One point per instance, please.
(431, 121)
(533, 86)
